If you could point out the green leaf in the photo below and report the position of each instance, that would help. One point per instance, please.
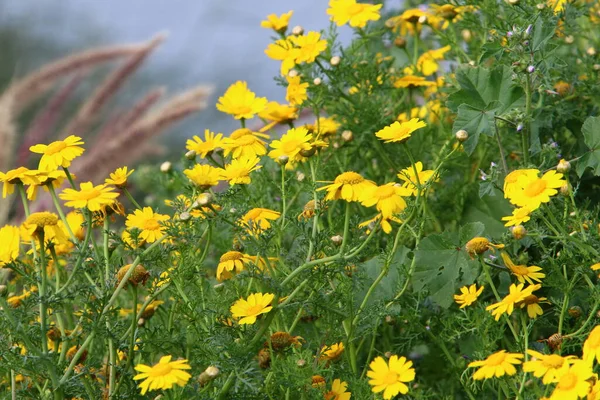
(591, 137)
(542, 33)
(389, 285)
(483, 95)
(442, 264)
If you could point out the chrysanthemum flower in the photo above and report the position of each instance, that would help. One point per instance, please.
(387, 198)
(47, 223)
(523, 272)
(479, 245)
(498, 364)
(546, 366)
(296, 90)
(309, 46)
(532, 302)
(148, 222)
(338, 391)
(163, 375)
(240, 102)
(94, 198)
(510, 180)
(231, 262)
(518, 217)
(44, 179)
(205, 147)
(245, 143)
(412, 81)
(15, 176)
(10, 239)
(119, 177)
(410, 179)
(386, 226)
(324, 126)
(468, 295)
(591, 346)
(291, 144)
(349, 11)
(332, 353)
(533, 191)
(248, 310)
(347, 186)
(399, 132)
(59, 153)
(258, 220)
(283, 50)
(204, 175)
(277, 23)
(390, 378)
(238, 171)
(415, 112)
(573, 382)
(516, 295)
(278, 113)
(427, 63)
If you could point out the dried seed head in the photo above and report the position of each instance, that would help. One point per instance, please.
(53, 334)
(388, 354)
(575, 311)
(139, 275)
(337, 239)
(318, 381)
(264, 358)
(400, 42)
(461, 135)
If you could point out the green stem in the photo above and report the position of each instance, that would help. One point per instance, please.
(525, 133)
(313, 237)
(106, 254)
(500, 149)
(60, 212)
(346, 228)
(525, 347)
(131, 199)
(43, 293)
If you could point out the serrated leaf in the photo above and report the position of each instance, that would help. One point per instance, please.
(591, 137)
(486, 188)
(442, 264)
(542, 33)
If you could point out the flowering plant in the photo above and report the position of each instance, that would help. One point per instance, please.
(436, 209)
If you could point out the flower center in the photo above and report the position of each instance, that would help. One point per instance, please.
(291, 146)
(496, 359)
(55, 147)
(246, 140)
(151, 225)
(254, 310)
(535, 188)
(567, 382)
(161, 369)
(553, 361)
(89, 194)
(349, 178)
(231, 256)
(390, 378)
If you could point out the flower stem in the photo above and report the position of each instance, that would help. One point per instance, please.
(131, 199)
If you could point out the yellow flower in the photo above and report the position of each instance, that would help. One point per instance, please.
(163, 375)
(257, 220)
(332, 353)
(238, 171)
(573, 382)
(245, 143)
(399, 132)
(204, 175)
(349, 11)
(44, 179)
(42, 222)
(324, 126)
(468, 295)
(427, 63)
(291, 144)
(479, 245)
(19, 175)
(248, 310)
(347, 186)
(277, 23)
(591, 346)
(533, 191)
(283, 50)
(411, 81)
(94, 198)
(498, 364)
(594, 393)
(390, 378)
(546, 366)
(557, 6)
(309, 46)
(507, 304)
(296, 91)
(338, 391)
(59, 153)
(523, 272)
(519, 216)
(232, 261)
(532, 302)
(385, 223)
(410, 179)
(119, 177)
(10, 239)
(387, 198)
(205, 147)
(240, 102)
(278, 113)
(450, 12)
(415, 112)
(510, 181)
(148, 222)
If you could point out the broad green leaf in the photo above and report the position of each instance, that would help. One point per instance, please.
(475, 121)
(443, 265)
(591, 137)
(389, 285)
(542, 33)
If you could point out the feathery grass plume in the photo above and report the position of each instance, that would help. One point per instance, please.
(8, 134)
(107, 89)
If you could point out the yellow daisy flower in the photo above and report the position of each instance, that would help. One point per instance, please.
(332, 353)
(283, 50)
(387, 198)
(163, 375)
(278, 113)
(518, 217)
(390, 378)
(523, 272)
(309, 46)
(94, 198)
(410, 179)
(338, 391)
(277, 23)
(468, 295)
(324, 126)
(532, 302)
(296, 90)
(479, 245)
(399, 132)
(205, 147)
(231, 262)
(204, 176)
(412, 81)
(573, 382)
(238, 171)
(533, 191)
(248, 310)
(510, 181)
(119, 177)
(42, 222)
(386, 226)
(427, 63)
(240, 102)
(291, 144)
(59, 153)
(44, 179)
(496, 365)
(15, 176)
(148, 222)
(507, 304)
(257, 220)
(546, 366)
(10, 239)
(347, 186)
(356, 14)
(245, 143)
(591, 346)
